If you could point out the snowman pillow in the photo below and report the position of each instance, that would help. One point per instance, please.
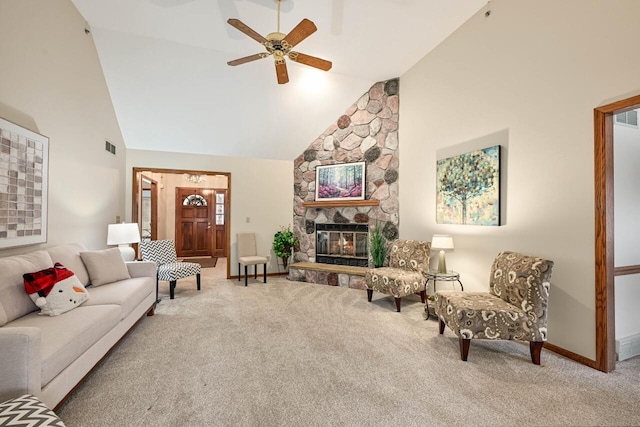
(55, 290)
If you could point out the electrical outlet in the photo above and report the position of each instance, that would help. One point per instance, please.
(248, 219)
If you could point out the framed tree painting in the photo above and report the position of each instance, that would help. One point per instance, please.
(24, 158)
(468, 188)
(340, 182)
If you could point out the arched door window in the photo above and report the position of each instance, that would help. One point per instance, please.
(194, 200)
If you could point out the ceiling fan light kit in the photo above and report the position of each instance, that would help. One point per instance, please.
(279, 46)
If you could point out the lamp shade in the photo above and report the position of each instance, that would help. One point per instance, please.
(441, 241)
(122, 234)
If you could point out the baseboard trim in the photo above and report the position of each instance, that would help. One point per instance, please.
(570, 355)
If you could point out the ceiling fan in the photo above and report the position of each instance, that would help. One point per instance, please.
(279, 45)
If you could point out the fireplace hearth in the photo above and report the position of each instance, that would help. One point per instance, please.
(342, 244)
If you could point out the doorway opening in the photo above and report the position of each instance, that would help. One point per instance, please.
(605, 270)
(190, 207)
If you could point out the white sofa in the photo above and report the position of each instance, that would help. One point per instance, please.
(48, 356)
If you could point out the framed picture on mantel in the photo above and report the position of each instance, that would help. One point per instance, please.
(340, 182)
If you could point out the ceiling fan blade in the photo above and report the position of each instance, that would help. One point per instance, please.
(311, 61)
(303, 30)
(281, 73)
(247, 59)
(236, 23)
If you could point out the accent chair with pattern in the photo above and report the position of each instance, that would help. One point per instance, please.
(515, 308)
(408, 260)
(163, 253)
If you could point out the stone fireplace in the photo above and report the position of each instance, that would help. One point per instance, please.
(366, 132)
(342, 244)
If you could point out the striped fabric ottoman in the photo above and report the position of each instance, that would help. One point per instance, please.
(29, 411)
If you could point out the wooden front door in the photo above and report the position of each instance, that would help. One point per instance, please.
(194, 218)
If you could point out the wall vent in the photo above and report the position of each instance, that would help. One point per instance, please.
(628, 118)
(110, 147)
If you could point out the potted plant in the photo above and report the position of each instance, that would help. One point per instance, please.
(284, 242)
(378, 246)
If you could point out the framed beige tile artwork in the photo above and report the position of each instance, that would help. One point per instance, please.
(24, 158)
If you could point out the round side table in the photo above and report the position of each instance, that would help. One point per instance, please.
(435, 276)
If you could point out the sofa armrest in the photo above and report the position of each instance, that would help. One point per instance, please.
(20, 361)
(142, 269)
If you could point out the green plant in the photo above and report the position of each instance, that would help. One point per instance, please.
(284, 241)
(378, 246)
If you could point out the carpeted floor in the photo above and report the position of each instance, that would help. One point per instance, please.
(297, 354)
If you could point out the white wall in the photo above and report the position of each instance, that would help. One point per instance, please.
(533, 71)
(260, 190)
(51, 82)
(627, 227)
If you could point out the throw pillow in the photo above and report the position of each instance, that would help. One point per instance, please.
(106, 266)
(55, 290)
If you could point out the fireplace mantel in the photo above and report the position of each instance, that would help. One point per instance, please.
(341, 203)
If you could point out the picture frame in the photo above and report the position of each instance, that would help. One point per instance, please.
(24, 176)
(468, 188)
(345, 181)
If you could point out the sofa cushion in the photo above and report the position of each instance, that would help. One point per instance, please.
(105, 266)
(128, 294)
(69, 335)
(14, 301)
(69, 256)
(55, 290)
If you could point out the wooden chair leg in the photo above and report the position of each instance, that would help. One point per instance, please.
(423, 296)
(151, 311)
(398, 302)
(172, 287)
(198, 280)
(246, 272)
(239, 272)
(441, 325)
(536, 348)
(464, 348)
(369, 294)
(265, 272)
(255, 271)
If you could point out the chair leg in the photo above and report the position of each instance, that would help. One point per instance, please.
(157, 296)
(536, 348)
(441, 325)
(239, 272)
(423, 296)
(245, 274)
(464, 348)
(255, 271)
(265, 272)
(172, 287)
(369, 294)
(398, 302)
(198, 280)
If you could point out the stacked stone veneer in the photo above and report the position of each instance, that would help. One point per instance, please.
(368, 131)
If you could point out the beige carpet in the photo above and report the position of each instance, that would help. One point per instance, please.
(298, 354)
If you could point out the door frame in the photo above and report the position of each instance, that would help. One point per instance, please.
(604, 232)
(134, 195)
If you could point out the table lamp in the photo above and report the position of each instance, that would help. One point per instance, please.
(442, 242)
(122, 235)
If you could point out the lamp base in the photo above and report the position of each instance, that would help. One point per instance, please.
(127, 252)
(442, 264)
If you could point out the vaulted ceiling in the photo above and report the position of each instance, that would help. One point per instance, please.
(165, 63)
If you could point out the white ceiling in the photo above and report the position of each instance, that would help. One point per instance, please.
(165, 63)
